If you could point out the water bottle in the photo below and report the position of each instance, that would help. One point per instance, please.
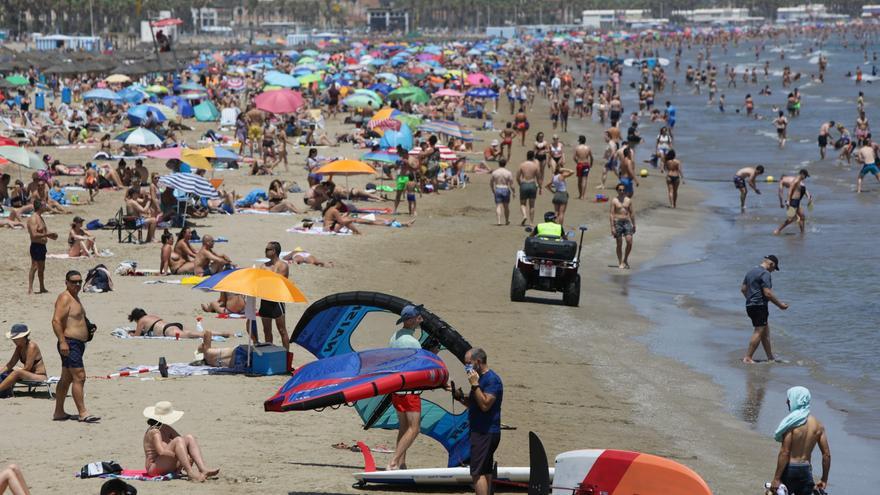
(199, 327)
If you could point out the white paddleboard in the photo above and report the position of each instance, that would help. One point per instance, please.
(440, 476)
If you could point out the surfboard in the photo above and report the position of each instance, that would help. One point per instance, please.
(440, 476)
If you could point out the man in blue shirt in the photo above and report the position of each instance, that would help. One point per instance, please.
(670, 116)
(484, 416)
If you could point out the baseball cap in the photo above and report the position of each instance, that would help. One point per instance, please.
(409, 311)
(119, 487)
(774, 259)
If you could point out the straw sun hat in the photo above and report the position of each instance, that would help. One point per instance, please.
(163, 412)
(18, 331)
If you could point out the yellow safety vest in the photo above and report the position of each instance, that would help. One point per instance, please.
(549, 229)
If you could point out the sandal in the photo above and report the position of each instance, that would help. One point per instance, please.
(90, 419)
(65, 417)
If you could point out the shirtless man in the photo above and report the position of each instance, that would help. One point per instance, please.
(796, 192)
(527, 180)
(671, 166)
(39, 235)
(798, 434)
(610, 156)
(867, 156)
(507, 135)
(216, 357)
(227, 303)
(207, 262)
(824, 135)
(746, 176)
(71, 328)
(501, 185)
(583, 157)
(623, 224)
(628, 170)
(274, 311)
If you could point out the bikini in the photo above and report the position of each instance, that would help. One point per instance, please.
(149, 332)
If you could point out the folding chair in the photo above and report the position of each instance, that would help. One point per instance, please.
(130, 225)
(36, 386)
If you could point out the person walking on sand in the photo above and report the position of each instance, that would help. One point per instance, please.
(671, 166)
(798, 434)
(623, 224)
(270, 310)
(168, 452)
(527, 180)
(408, 406)
(39, 235)
(757, 289)
(583, 157)
(743, 177)
(71, 327)
(797, 191)
(501, 185)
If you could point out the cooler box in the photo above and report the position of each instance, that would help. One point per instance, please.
(40, 101)
(66, 95)
(266, 359)
(550, 248)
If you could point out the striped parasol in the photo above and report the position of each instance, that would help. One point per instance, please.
(190, 184)
(235, 83)
(446, 154)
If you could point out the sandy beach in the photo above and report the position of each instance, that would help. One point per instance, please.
(575, 376)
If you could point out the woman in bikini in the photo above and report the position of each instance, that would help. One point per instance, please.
(27, 352)
(557, 155)
(154, 326)
(278, 198)
(540, 155)
(227, 303)
(79, 242)
(168, 452)
(182, 257)
(336, 217)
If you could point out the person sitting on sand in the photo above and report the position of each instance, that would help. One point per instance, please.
(300, 256)
(28, 353)
(12, 479)
(79, 241)
(217, 357)
(227, 303)
(336, 217)
(182, 257)
(355, 193)
(318, 194)
(207, 262)
(154, 326)
(167, 451)
(13, 221)
(278, 198)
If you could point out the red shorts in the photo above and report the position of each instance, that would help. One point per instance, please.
(406, 402)
(583, 169)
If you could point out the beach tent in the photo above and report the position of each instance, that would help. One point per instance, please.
(207, 112)
(392, 138)
(183, 106)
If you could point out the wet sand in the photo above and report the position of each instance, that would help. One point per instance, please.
(573, 375)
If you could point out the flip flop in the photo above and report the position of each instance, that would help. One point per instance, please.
(90, 419)
(65, 417)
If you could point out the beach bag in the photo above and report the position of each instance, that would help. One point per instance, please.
(95, 225)
(96, 469)
(92, 328)
(99, 278)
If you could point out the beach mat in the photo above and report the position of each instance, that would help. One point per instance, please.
(135, 475)
(122, 333)
(178, 369)
(252, 211)
(317, 231)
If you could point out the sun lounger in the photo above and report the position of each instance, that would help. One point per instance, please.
(38, 386)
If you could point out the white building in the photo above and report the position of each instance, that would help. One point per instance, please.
(62, 42)
(717, 16)
(807, 13)
(871, 11)
(603, 19)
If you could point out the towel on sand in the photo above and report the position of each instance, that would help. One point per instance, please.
(799, 405)
(317, 230)
(122, 333)
(181, 369)
(136, 475)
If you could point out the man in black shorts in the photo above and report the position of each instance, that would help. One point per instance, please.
(484, 415)
(757, 289)
(270, 310)
(39, 235)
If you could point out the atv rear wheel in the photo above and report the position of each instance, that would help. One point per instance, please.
(518, 285)
(571, 296)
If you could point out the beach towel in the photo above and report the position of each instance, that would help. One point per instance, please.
(216, 239)
(252, 211)
(136, 475)
(122, 333)
(251, 198)
(64, 256)
(178, 369)
(190, 280)
(799, 405)
(231, 316)
(317, 230)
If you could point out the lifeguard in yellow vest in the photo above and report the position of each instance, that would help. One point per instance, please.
(549, 228)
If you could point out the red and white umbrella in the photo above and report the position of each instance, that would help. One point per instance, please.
(446, 154)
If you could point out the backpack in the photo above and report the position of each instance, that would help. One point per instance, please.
(96, 469)
(99, 278)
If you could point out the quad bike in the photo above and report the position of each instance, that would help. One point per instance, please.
(550, 264)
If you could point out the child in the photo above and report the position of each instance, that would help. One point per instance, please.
(411, 188)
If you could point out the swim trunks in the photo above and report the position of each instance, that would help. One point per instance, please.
(502, 195)
(627, 184)
(869, 168)
(74, 358)
(271, 309)
(401, 182)
(672, 179)
(739, 182)
(798, 478)
(623, 228)
(611, 165)
(483, 446)
(583, 169)
(406, 402)
(410, 197)
(38, 251)
(528, 190)
(614, 115)
(758, 314)
(823, 141)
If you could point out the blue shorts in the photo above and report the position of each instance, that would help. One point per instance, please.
(228, 209)
(671, 123)
(627, 184)
(502, 195)
(410, 197)
(869, 168)
(74, 358)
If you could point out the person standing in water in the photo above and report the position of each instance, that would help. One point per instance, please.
(743, 177)
(757, 288)
(797, 191)
(798, 434)
(671, 166)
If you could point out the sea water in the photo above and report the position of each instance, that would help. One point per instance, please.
(828, 339)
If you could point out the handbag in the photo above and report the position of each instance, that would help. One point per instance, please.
(92, 328)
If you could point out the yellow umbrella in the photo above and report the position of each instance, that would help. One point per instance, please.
(346, 167)
(168, 112)
(117, 78)
(256, 282)
(196, 160)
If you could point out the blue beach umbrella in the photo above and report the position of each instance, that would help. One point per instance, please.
(138, 114)
(392, 138)
(101, 94)
(275, 78)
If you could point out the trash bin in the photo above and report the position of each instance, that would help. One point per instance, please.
(40, 101)
(66, 96)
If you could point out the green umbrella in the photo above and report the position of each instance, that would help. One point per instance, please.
(17, 80)
(412, 94)
(376, 97)
(411, 120)
(22, 157)
(309, 79)
(360, 101)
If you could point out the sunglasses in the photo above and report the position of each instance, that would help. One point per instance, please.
(75, 282)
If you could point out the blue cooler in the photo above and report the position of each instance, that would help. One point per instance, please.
(40, 101)
(266, 359)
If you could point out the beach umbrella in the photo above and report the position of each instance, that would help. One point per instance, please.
(234, 83)
(22, 157)
(190, 184)
(17, 80)
(117, 78)
(412, 94)
(5, 141)
(156, 89)
(393, 139)
(281, 79)
(165, 153)
(479, 79)
(139, 137)
(309, 78)
(448, 92)
(384, 119)
(195, 160)
(447, 127)
(256, 283)
(132, 95)
(380, 156)
(387, 76)
(360, 101)
(191, 86)
(216, 153)
(138, 114)
(191, 95)
(381, 88)
(183, 106)
(346, 168)
(446, 154)
(482, 93)
(206, 111)
(280, 101)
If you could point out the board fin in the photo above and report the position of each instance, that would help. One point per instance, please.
(539, 471)
(369, 462)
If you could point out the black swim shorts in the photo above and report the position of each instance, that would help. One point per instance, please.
(483, 446)
(528, 190)
(759, 315)
(271, 309)
(74, 358)
(38, 251)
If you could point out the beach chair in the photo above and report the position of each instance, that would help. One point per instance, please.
(127, 226)
(37, 386)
